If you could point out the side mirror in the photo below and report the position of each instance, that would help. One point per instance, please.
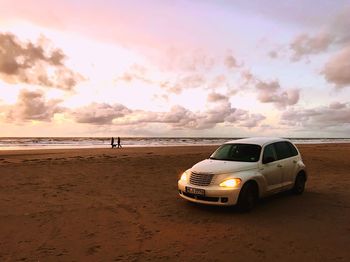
(268, 159)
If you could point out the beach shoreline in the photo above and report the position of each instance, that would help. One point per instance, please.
(25, 143)
(106, 204)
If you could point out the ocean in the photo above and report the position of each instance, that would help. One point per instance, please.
(20, 143)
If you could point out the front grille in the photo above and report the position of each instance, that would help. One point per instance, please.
(201, 179)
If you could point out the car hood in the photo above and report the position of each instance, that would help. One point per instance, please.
(221, 167)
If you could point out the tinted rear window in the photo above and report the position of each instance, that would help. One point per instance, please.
(284, 150)
(294, 151)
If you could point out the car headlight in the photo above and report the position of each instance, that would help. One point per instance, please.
(232, 182)
(184, 176)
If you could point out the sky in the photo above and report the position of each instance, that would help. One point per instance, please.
(175, 68)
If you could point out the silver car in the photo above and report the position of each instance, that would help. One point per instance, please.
(241, 171)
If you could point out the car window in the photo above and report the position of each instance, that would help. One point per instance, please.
(283, 150)
(237, 152)
(293, 150)
(222, 152)
(269, 153)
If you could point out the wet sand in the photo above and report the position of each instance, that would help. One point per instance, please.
(122, 205)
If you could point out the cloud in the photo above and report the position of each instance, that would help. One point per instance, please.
(337, 69)
(26, 62)
(135, 73)
(222, 112)
(337, 105)
(178, 117)
(194, 80)
(273, 54)
(230, 62)
(185, 61)
(248, 77)
(335, 115)
(304, 44)
(99, 113)
(31, 105)
(214, 97)
(272, 86)
(174, 84)
(218, 81)
(271, 92)
(188, 70)
(253, 120)
(185, 82)
(335, 33)
(340, 26)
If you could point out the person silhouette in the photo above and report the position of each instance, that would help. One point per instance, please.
(119, 145)
(112, 142)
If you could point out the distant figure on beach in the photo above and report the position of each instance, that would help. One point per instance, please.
(112, 143)
(119, 145)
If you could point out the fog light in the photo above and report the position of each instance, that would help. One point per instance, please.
(224, 199)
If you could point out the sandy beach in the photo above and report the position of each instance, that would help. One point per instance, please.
(122, 205)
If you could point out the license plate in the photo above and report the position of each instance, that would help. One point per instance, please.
(196, 191)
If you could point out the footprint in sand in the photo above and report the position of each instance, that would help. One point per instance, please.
(94, 249)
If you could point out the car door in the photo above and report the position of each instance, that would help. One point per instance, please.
(271, 169)
(291, 166)
(287, 160)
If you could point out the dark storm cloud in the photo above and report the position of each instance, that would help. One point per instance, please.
(26, 62)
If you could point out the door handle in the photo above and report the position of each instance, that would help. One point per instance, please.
(279, 165)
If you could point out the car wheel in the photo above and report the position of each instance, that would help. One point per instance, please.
(299, 184)
(247, 198)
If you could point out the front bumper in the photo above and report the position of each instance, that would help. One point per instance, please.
(214, 195)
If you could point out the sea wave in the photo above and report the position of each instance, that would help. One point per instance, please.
(7, 143)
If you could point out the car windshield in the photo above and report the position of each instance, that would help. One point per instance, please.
(237, 152)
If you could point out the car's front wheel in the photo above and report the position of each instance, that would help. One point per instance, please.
(247, 197)
(299, 184)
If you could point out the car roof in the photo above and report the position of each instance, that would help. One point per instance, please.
(257, 140)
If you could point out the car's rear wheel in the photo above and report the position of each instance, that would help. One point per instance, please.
(247, 197)
(299, 184)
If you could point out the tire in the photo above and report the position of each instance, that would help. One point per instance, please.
(299, 184)
(247, 198)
